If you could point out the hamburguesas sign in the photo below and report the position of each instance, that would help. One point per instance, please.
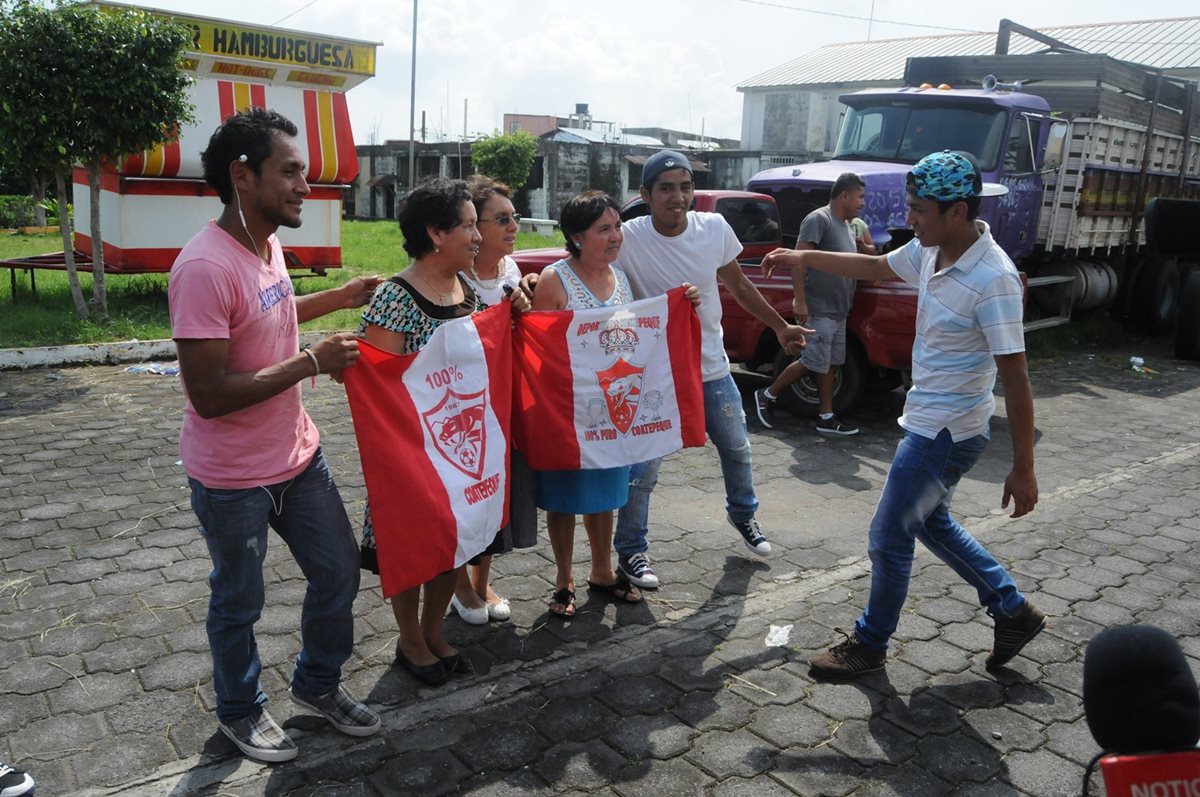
(279, 47)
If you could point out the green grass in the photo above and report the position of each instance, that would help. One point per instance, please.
(137, 304)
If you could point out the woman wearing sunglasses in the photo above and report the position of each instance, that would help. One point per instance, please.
(493, 270)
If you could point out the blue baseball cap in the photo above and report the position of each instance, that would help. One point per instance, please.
(661, 161)
(949, 177)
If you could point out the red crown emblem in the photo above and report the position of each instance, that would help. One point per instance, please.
(618, 339)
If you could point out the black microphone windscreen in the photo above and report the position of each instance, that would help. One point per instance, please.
(1139, 694)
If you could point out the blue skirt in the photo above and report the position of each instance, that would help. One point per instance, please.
(582, 492)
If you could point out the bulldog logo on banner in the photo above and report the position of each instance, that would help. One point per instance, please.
(456, 424)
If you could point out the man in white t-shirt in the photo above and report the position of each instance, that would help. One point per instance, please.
(670, 246)
(251, 453)
(969, 328)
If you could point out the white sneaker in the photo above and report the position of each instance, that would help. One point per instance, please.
(636, 567)
(752, 535)
(470, 616)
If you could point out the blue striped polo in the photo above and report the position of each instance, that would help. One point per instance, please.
(967, 313)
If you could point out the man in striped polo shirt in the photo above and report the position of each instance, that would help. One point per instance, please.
(968, 329)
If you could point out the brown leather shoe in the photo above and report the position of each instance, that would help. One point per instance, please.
(1014, 633)
(848, 659)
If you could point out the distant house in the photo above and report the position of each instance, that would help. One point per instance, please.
(790, 114)
(575, 153)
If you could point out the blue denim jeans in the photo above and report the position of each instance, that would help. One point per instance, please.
(915, 505)
(307, 512)
(725, 422)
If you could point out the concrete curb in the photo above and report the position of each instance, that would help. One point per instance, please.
(115, 353)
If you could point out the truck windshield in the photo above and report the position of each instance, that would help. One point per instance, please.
(898, 131)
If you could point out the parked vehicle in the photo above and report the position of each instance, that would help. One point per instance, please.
(882, 323)
(1084, 143)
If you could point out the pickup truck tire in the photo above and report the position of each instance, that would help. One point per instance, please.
(801, 397)
(1187, 327)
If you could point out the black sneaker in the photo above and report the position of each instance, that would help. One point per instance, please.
(834, 425)
(765, 408)
(1014, 633)
(752, 535)
(848, 659)
(343, 712)
(636, 567)
(260, 738)
(14, 782)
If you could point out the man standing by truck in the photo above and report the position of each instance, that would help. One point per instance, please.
(671, 246)
(823, 302)
(251, 452)
(968, 329)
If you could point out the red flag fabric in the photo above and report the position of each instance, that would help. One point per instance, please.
(610, 386)
(433, 436)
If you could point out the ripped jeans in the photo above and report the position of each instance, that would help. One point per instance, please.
(725, 422)
(307, 512)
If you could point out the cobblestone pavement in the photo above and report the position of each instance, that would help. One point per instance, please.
(106, 677)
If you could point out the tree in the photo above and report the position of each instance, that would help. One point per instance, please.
(507, 157)
(37, 103)
(134, 98)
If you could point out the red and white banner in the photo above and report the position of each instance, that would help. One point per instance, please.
(433, 436)
(610, 386)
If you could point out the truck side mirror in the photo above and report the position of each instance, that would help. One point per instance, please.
(1056, 146)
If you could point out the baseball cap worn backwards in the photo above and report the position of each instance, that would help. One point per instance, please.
(950, 176)
(661, 161)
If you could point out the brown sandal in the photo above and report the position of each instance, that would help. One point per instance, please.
(565, 598)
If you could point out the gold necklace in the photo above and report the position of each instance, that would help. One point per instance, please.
(444, 299)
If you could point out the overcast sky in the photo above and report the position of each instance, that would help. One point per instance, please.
(640, 63)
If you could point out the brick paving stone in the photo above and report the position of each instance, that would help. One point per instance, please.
(17, 711)
(583, 766)
(431, 773)
(647, 694)
(674, 778)
(721, 710)
(54, 596)
(1043, 774)
(56, 737)
(903, 781)
(93, 693)
(29, 676)
(750, 787)
(874, 741)
(501, 746)
(642, 737)
(818, 771)
(123, 655)
(573, 718)
(959, 757)
(65, 639)
(739, 753)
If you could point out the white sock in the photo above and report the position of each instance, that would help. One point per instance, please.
(826, 416)
(767, 394)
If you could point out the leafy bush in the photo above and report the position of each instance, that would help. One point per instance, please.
(16, 211)
(50, 205)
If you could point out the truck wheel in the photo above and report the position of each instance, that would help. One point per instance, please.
(801, 397)
(1187, 327)
(1157, 294)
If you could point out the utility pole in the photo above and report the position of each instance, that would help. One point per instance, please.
(412, 108)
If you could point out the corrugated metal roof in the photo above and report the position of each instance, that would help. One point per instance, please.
(1164, 43)
(582, 135)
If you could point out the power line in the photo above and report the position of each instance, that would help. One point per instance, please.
(294, 13)
(856, 17)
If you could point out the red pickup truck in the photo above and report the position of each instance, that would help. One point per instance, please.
(881, 325)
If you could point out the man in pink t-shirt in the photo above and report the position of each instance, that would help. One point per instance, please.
(251, 452)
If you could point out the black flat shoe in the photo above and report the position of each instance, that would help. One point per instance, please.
(428, 674)
(456, 664)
